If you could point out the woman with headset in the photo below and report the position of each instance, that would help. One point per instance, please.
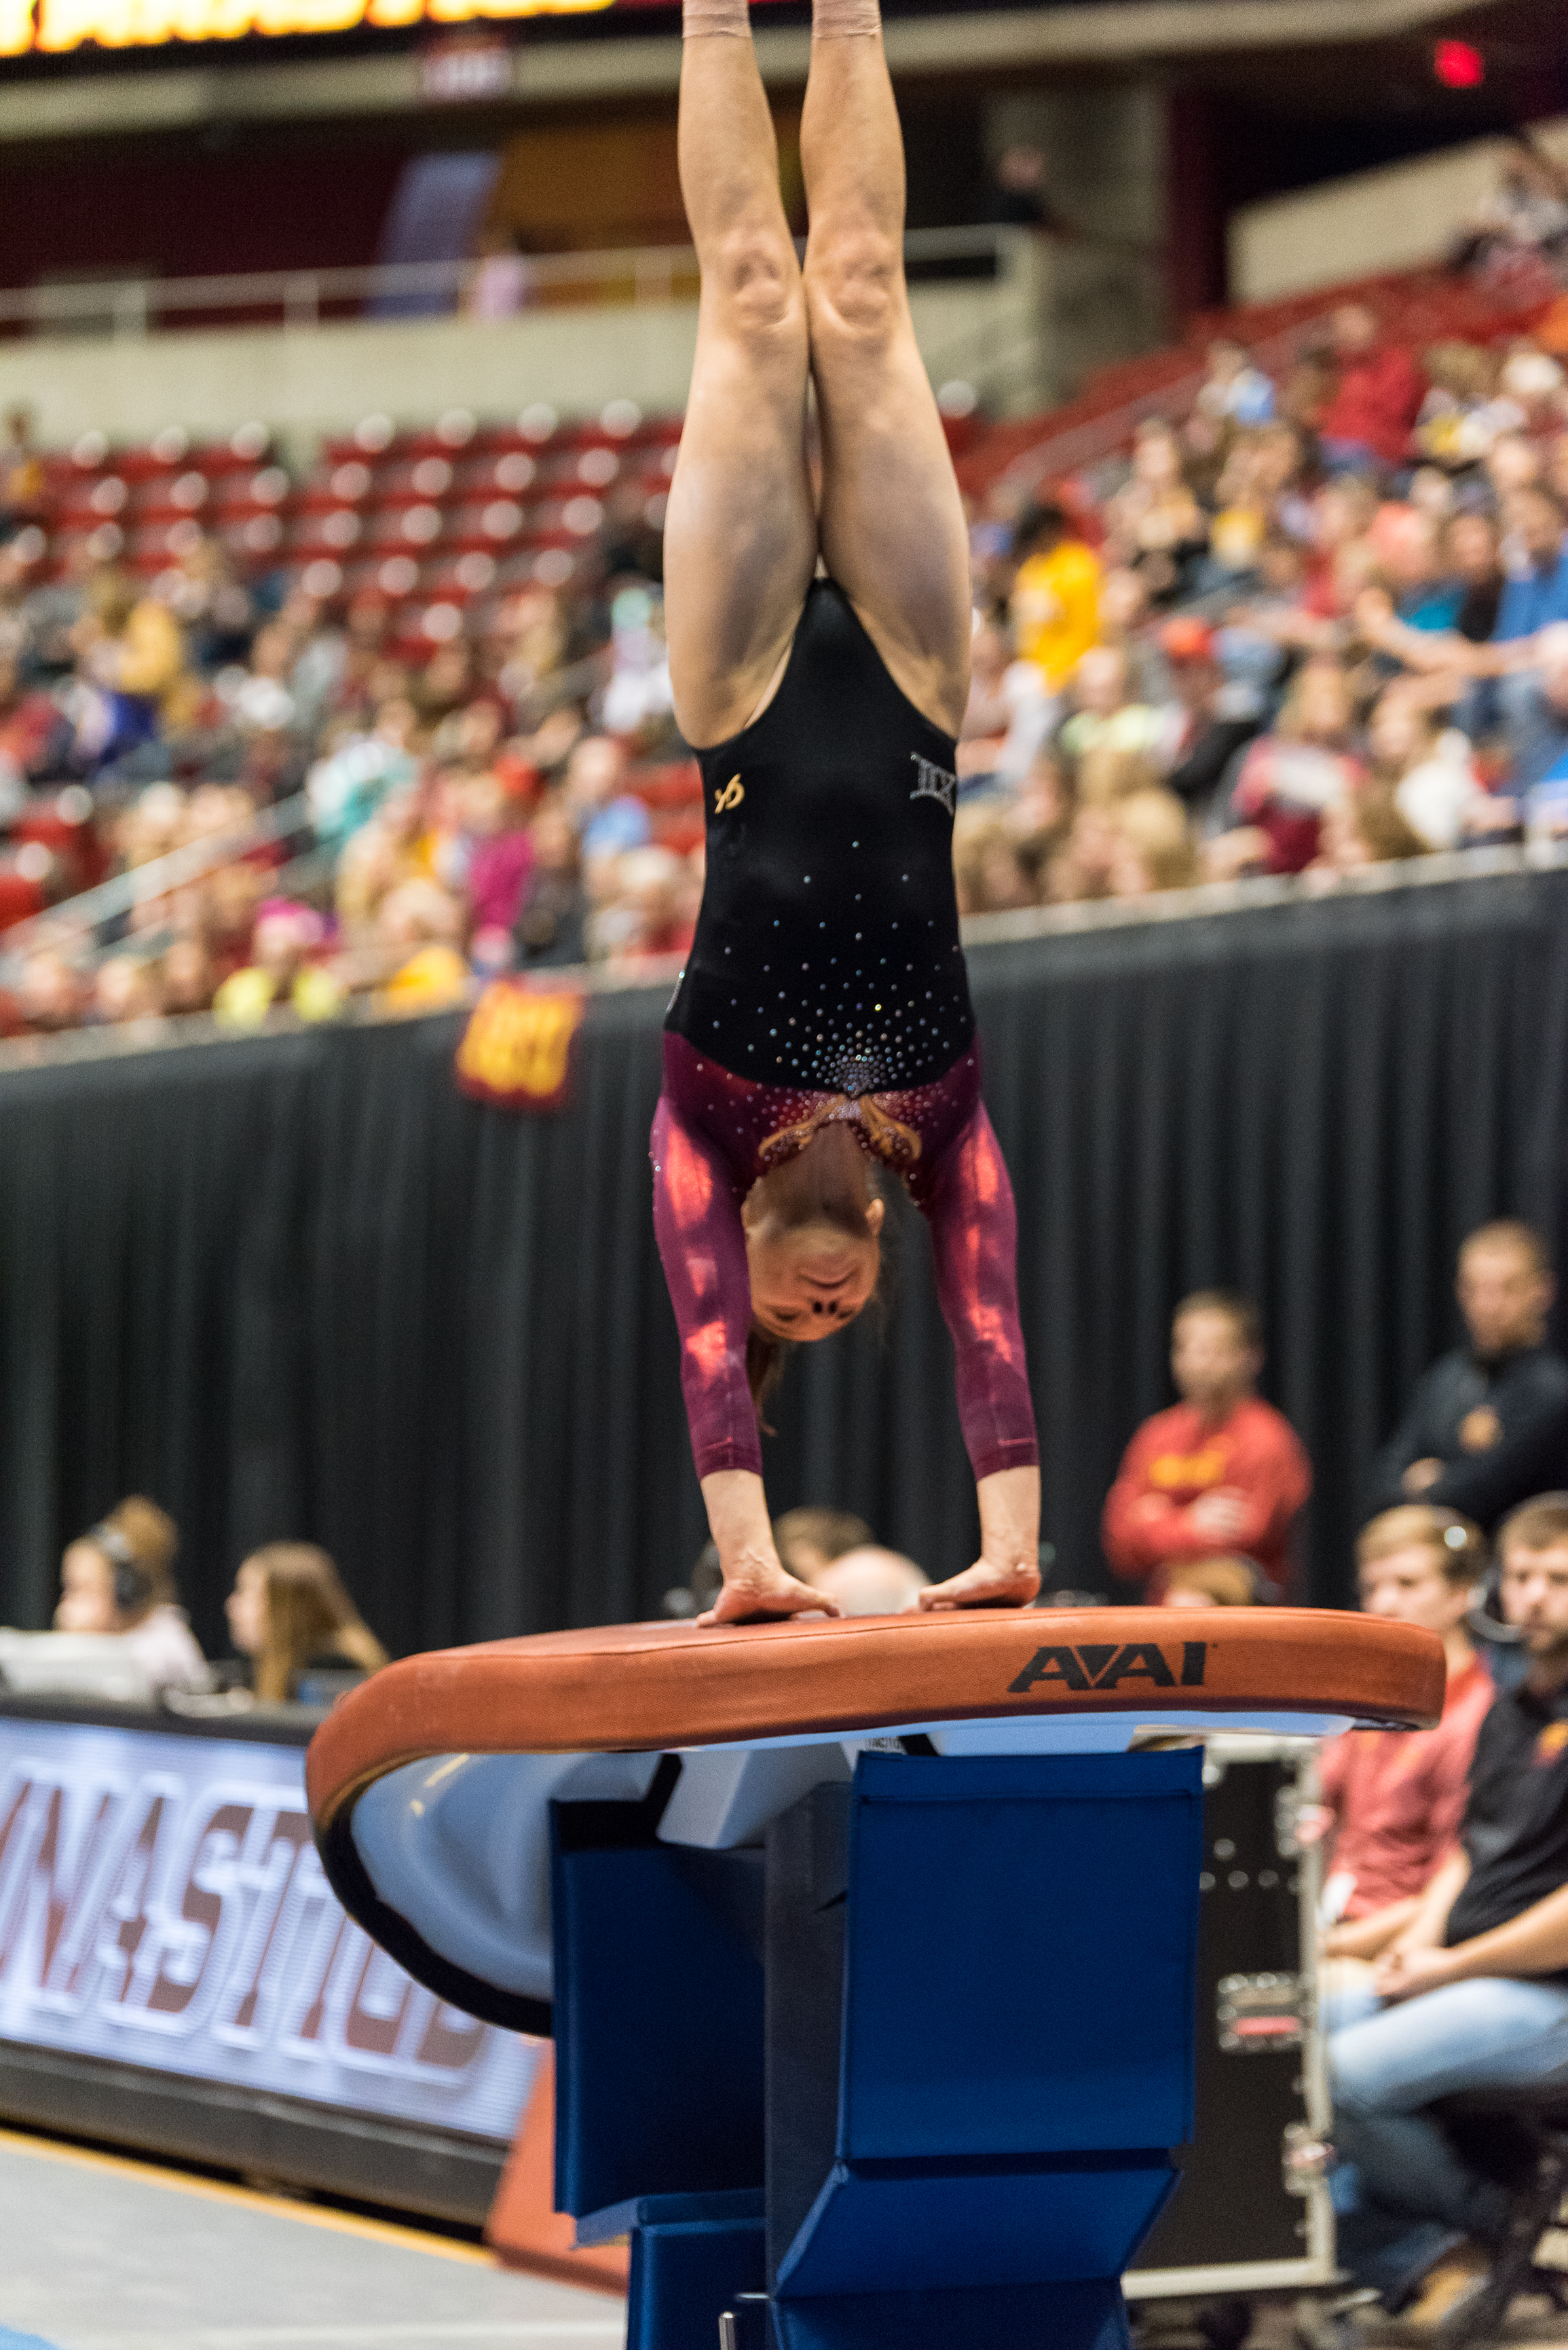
(118, 1578)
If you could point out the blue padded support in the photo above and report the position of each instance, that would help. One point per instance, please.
(666, 2210)
(685, 2274)
(1015, 2048)
(658, 2016)
(1019, 1968)
(995, 2317)
(942, 2226)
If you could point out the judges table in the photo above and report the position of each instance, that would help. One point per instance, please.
(866, 1946)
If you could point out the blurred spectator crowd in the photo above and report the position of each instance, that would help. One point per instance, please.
(1321, 623)
(405, 721)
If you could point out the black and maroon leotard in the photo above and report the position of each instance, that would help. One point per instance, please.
(825, 981)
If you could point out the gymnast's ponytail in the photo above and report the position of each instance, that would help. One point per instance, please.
(766, 1358)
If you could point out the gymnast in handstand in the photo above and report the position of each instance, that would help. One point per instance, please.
(823, 1021)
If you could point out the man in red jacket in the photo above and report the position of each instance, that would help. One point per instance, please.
(1369, 420)
(1221, 1471)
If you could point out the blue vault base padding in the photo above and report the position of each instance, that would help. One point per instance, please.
(906, 2079)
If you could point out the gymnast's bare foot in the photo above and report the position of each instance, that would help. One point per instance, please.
(985, 1585)
(753, 1592)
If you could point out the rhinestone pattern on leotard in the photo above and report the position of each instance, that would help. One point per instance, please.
(827, 954)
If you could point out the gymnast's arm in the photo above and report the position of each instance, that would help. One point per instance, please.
(697, 1221)
(968, 1203)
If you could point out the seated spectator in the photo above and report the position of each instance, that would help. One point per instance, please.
(1054, 608)
(553, 911)
(1156, 525)
(1536, 704)
(500, 859)
(1367, 424)
(608, 818)
(188, 980)
(1153, 847)
(125, 987)
(1215, 717)
(1079, 867)
(362, 769)
(809, 1540)
(118, 1578)
(1364, 828)
(1234, 391)
(1009, 714)
(1472, 562)
(1458, 420)
(1474, 1991)
(286, 966)
(289, 1614)
(1532, 602)
(1221, 1470)
(870, 1581)
(23, 483)
(989, 866)
(1488, 1424)
(1392, 1799)
(651, 912)
(418, 934)
(51, 992)
(1526, 213)
(1103, 716)
(1428, 769)
(1290, 776)
(1240, 506)
(1219, 1582)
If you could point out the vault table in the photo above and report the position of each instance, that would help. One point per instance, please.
(866, 1946)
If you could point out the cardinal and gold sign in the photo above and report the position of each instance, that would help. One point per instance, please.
(516, 1050)
(56, 25)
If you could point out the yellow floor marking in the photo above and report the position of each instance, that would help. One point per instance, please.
(313, 2215)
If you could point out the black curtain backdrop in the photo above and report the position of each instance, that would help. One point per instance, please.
(297, 1285)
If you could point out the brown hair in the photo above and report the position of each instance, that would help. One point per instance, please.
(1540, 1524)
(1456, 1542)
(832, 1532)
(1153, 823)
(1508, 1231)
(307, 1612)
(1243, 1315)
(765, 1359)
(1106, 775)
(149, 1535)
(1387, 834)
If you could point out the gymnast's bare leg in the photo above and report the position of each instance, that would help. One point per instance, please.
(741, 533)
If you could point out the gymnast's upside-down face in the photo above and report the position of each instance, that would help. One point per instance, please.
(813, 1244)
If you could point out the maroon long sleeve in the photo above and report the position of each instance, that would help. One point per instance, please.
(706, 1144)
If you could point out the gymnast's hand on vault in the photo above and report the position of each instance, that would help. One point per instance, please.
(760, 1587)
(986, 1584)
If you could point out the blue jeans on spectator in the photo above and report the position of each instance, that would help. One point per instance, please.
(1402, 2194)
(1537, 729)
(1348, 456)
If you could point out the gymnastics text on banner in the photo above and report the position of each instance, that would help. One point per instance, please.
(516, 1050)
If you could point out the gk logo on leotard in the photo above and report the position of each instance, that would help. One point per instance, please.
(933, 783)
(734, 793)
